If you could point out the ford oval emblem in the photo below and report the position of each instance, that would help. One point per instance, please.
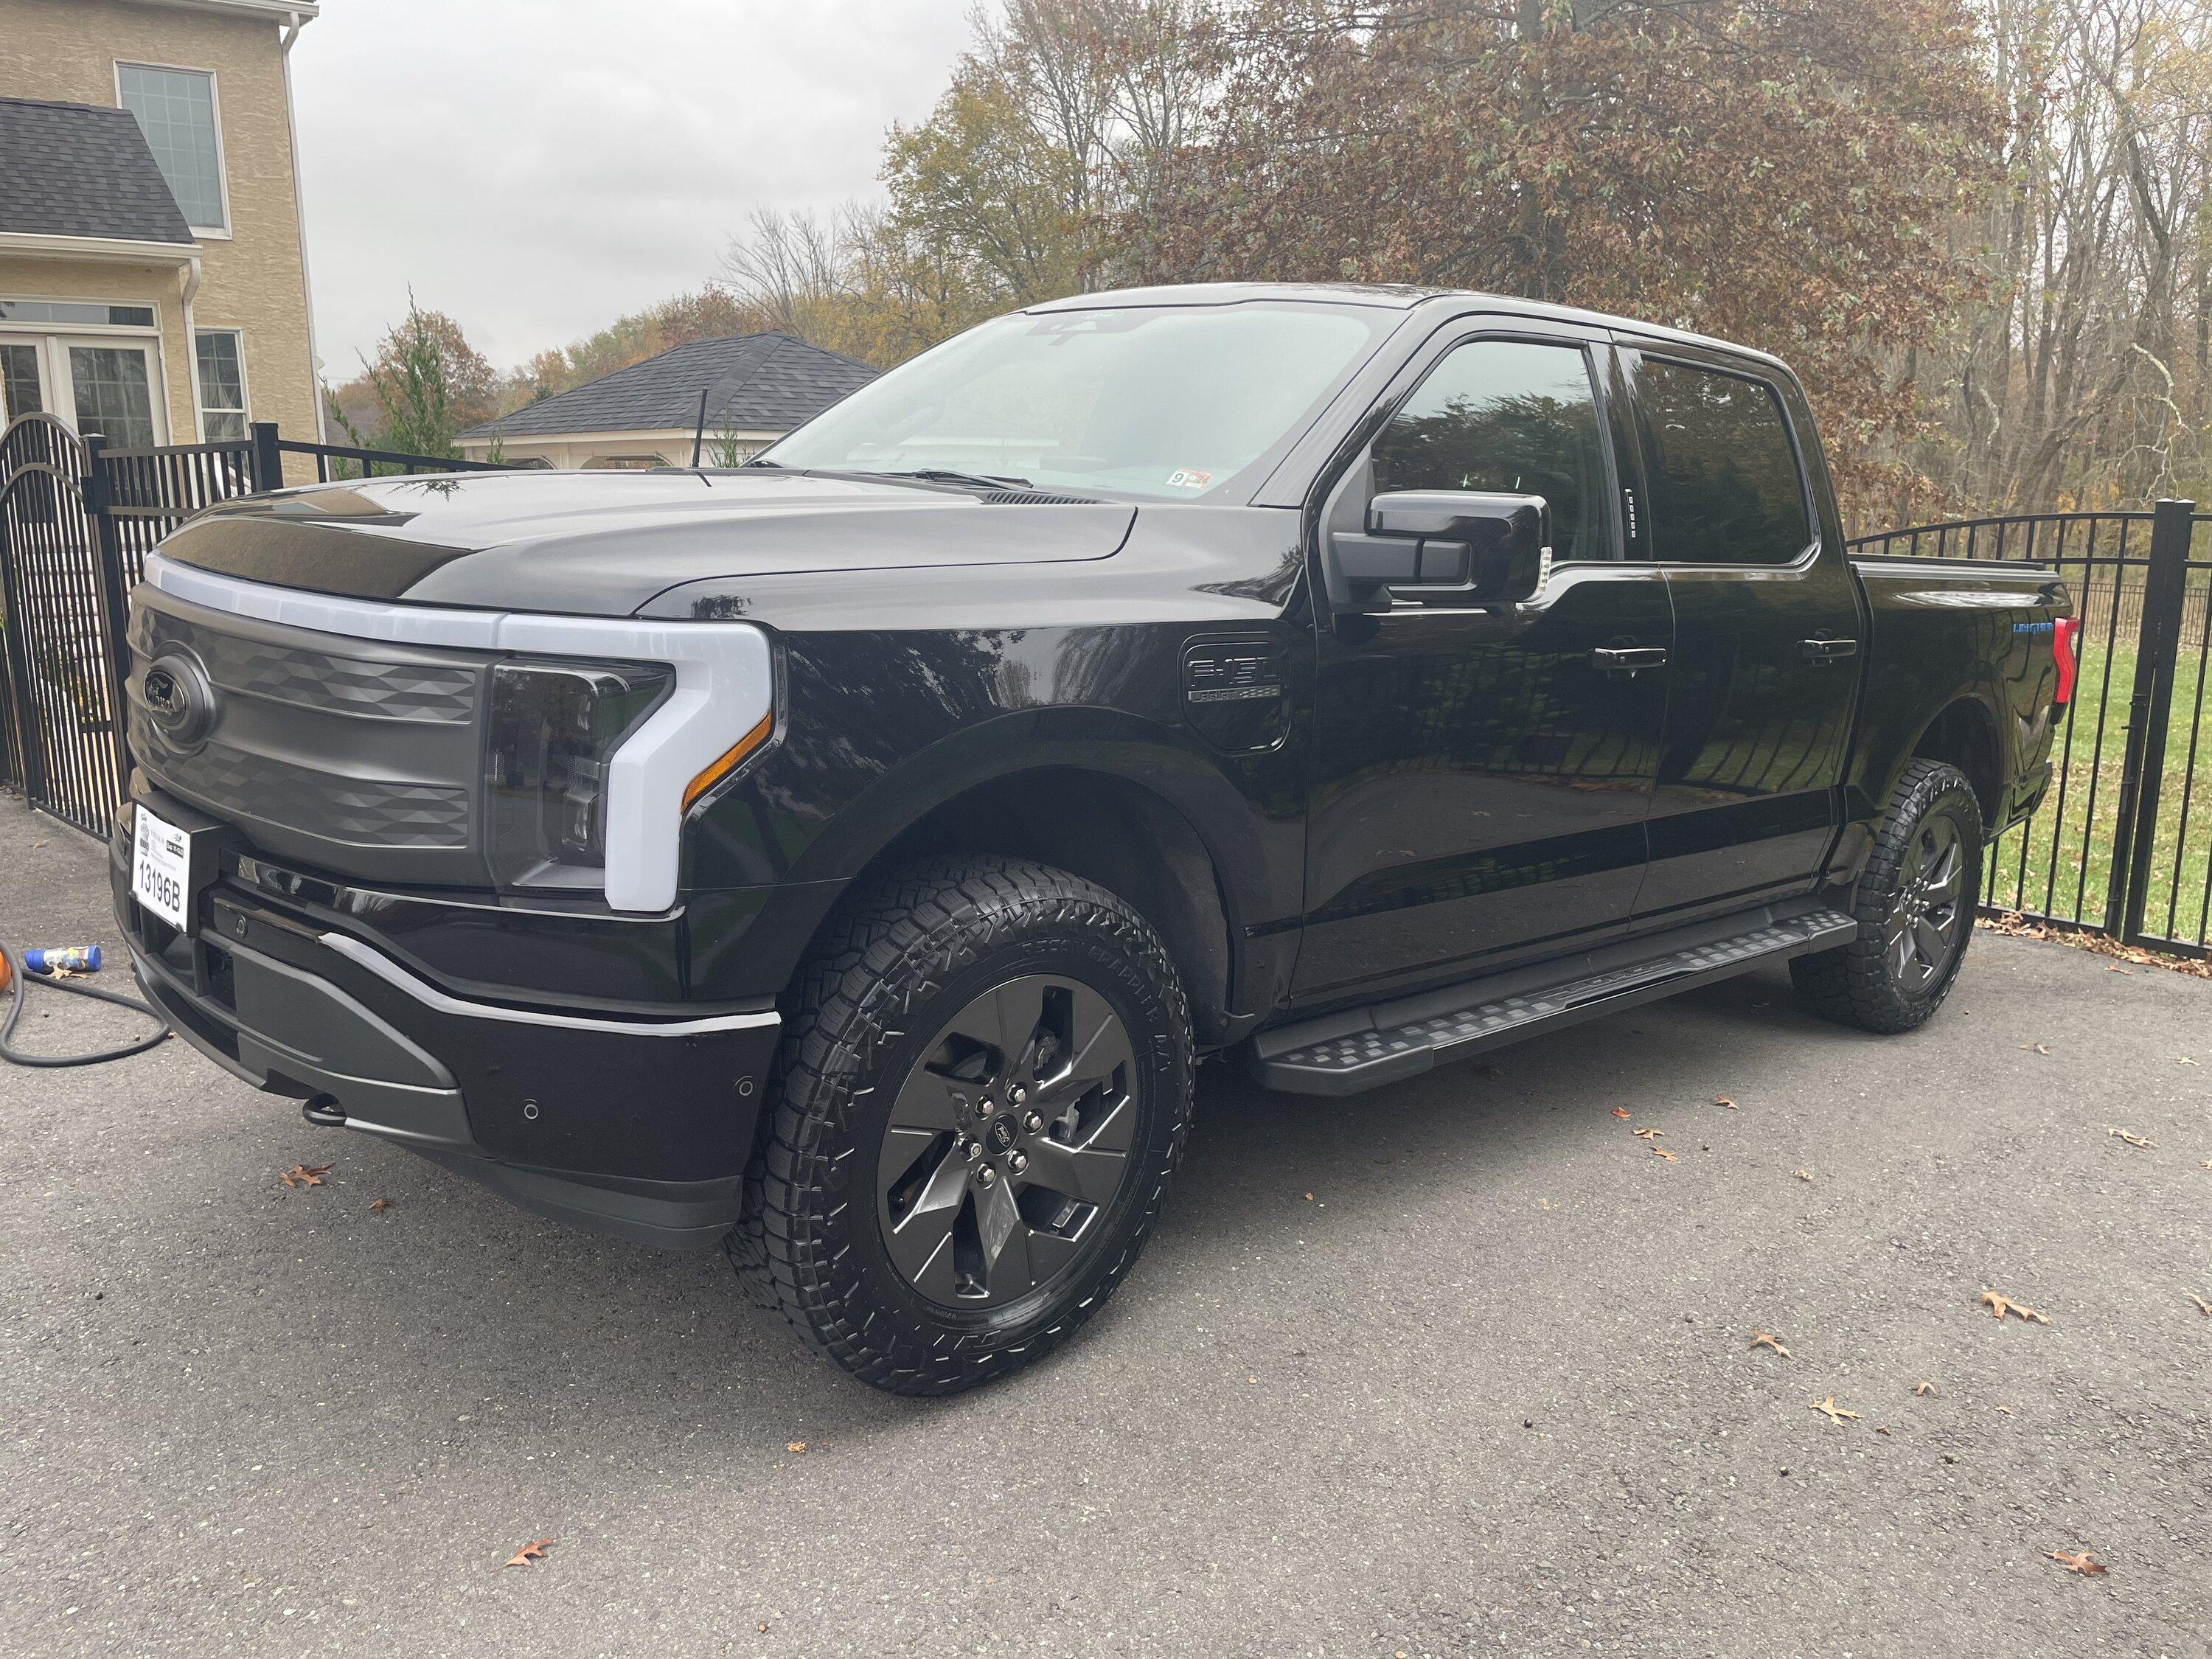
(180, 701)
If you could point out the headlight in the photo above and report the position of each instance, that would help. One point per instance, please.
(553, 732)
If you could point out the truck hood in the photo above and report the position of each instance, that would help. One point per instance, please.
(603, 543)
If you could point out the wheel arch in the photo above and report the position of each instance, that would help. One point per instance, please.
(1964, 733)
(1145, 818)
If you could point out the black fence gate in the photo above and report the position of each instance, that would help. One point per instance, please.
(77, 522)
(2124, 843)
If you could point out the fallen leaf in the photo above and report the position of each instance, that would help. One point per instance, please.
(1802, 1174)
(2132, 1140)
(1999, 1306)
(2007, 1410)
(1647, 1134)
(381, 1204)
(1881, 1428)
(1767, 1339)
(1621, 1111)
(2204, 1162)
(1308, 1197)
(1661, 1151)
(2202, 1306)
(2183, 1060)
(1722, 1100)
(1835, 1414)
(1923, 1389)
(534, 1549)
(2085, 1562)
(794, 1445)
(306, 1174)
(2039, 1048)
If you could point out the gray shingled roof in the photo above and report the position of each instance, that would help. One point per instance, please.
(80, 170)
(754, 382)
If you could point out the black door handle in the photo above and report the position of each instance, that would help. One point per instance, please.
(1627, 659)
(1827, 650)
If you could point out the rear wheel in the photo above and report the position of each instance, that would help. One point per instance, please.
(984, 1091)
(1914, 909)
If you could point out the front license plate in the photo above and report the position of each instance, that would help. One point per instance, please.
(161, 867)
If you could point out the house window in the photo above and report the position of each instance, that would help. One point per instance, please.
(222, 384)
(176, 110)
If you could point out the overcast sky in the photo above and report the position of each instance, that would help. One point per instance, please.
(537, 167)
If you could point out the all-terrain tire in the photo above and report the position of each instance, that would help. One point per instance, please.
(1855, 984)
(898, 960)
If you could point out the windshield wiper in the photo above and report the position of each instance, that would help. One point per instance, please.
(945, 475)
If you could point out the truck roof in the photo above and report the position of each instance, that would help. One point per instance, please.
(1391, 297)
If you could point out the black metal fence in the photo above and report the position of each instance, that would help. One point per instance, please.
(77, 519)
(2124, 843)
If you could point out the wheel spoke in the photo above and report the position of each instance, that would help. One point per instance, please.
(1931, 942)
(1943, 875)
(1005, 1237)
(920, 1246)
(1898, 947)
(1090, 1173)
(926, 1100)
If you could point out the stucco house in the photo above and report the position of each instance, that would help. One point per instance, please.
(153, 275)
(757, 387)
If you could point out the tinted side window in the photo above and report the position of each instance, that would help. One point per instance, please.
(1512, 417)
(1726, 477)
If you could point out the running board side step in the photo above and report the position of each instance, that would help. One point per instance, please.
(1361, 1049)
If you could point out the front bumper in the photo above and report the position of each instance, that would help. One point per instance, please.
(636, 1124)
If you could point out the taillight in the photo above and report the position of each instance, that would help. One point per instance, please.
(2065, 643)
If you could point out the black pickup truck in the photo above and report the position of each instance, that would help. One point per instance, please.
(846, 859)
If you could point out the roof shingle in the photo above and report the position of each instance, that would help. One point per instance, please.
(81, 170)
(754, 382)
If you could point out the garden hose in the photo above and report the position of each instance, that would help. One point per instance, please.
(15, 973)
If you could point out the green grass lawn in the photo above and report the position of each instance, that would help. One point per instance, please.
(2078, 816)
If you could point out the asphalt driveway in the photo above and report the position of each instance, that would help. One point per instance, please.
(1460, 1367)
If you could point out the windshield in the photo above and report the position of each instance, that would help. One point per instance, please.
(1169, 402)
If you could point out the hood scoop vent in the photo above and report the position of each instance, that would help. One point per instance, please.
(1035, 498)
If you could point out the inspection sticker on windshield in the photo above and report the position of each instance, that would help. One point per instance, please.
(161, 865)
(1186, 477)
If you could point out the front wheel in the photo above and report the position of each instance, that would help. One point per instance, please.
(985, 1088)
(1914, 909)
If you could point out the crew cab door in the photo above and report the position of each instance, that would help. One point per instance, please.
(1767, 632)
(1481, 772)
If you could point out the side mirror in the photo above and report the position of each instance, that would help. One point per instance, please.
(1471, 546)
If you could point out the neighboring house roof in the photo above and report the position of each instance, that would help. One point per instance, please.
(753, 383)
(80, 170)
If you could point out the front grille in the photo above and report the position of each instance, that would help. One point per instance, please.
(351, 755)
(362, 812)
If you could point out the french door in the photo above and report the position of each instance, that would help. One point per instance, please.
(107, 385)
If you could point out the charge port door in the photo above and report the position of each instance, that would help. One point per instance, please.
(1234, 694)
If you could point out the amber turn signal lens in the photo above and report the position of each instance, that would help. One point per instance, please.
(729, 760)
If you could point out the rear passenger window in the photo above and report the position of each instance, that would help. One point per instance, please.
(1728, 487)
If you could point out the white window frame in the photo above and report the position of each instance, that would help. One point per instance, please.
(213, 232)
(201, 409)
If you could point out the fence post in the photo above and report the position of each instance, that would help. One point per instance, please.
(114, 601)
(2150, 710)
(268, 458)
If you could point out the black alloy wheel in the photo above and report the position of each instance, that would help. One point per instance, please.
(1928, 916)
(984, 1090)
(1007, 1140)
(1915, 906)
